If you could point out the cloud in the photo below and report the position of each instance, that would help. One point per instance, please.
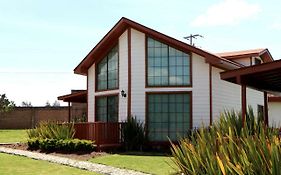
(275, 26)
(227, 12)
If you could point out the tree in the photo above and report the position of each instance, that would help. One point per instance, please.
(26, 104)
(5, 104)
(48, 104)
(56, 104)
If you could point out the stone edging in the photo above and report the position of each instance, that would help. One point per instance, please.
(99, 168)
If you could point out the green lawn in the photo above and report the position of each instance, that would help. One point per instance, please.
(145, 162)
(11, 164)
(11, 135)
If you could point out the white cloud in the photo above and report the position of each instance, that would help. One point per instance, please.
(275, 26)
(227, 12)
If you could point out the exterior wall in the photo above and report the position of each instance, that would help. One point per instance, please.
(123, 75)
(91, 93)
(201, 93)
(274, 114)
(138, 74)
(227, 96)
(29, 117)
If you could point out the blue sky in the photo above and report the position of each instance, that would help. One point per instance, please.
(41, 42)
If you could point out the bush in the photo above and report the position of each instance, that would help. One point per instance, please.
(51, 130)
(227, 148)
(133, 134)
(60, 145)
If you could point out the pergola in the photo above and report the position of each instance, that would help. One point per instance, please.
(264, 77)
(76, 97)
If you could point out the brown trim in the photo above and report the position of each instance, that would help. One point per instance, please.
(244, 103)
(146, 66)
(106, 95)
(274, 99)
(129, 74)
(265, 98)
(96, 72)
(168, 92)
(69, 112)
(87, 113)
(211, 93)
(113, 35)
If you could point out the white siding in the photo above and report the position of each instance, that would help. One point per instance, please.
(138, 74)
(254, 98)
(91, 93)
(227, 96)
(201, 99)
(274, 114)
(123, 75)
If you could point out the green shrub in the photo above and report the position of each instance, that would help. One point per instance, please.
(228, 148)
(51, 130)
(133, 134)
(60, 145)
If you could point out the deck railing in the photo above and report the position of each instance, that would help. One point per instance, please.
(102, 133)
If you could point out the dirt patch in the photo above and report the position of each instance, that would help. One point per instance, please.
(80, 155)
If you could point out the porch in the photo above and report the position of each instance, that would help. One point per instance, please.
(105, 135)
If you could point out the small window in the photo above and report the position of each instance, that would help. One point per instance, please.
(260, 113)
(257, 61)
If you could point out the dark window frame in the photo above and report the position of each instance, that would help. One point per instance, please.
(169, 46)
(166, 93)
(106, 96)
(96, 71)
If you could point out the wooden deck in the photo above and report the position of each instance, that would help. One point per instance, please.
(105, 135)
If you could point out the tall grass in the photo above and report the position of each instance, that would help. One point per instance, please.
(51, 130)
(228, 148)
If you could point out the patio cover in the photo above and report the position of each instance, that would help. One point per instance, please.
(263, 77)
(78, 97)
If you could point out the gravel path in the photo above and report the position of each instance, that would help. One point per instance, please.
(104, 169)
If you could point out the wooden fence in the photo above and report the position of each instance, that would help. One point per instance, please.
(104, 134)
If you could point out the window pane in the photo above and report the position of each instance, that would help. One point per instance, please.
(168, 115)
(107, 109)
(107, 71)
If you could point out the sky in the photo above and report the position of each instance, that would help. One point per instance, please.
(41, 42)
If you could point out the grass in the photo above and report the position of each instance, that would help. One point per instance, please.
(144, 162)
(12, 135)
(11, 164)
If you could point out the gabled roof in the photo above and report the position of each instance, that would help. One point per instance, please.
(111, 39)
(263, 53)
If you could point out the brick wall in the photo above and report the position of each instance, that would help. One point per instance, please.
(28, 117)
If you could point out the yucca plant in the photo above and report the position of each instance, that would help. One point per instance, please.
(51, 130)
(228, 148)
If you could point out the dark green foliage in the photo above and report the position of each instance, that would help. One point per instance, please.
(5, 104)
(133, 134)
(60, 145)
(228, 148)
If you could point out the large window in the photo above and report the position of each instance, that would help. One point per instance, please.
(107, 71)
(166, 66)
(168, 116)
(107, 109)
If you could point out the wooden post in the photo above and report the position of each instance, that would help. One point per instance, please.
(69, 112)
(265, 111)
(244, 103)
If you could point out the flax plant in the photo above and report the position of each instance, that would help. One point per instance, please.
(228, 148)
